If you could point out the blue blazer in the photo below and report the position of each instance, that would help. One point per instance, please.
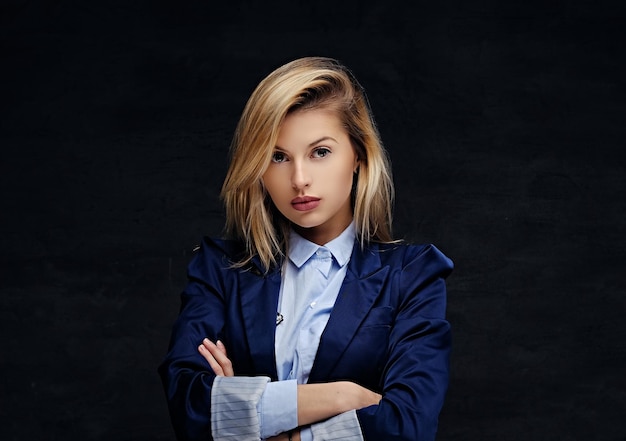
(387, 332)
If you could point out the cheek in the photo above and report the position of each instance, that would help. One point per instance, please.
(344, 178)
(273, 185)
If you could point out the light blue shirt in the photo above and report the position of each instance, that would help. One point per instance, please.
(311, 279)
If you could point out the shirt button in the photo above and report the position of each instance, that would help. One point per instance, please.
(313, 304)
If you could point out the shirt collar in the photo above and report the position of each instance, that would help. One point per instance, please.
(301, 250)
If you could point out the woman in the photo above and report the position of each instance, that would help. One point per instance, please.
(310, 322)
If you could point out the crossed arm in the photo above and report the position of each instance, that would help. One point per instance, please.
(316, 402)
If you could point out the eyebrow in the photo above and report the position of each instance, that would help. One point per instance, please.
(322, 139)
(317, 141)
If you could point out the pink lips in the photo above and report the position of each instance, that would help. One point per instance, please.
(305, 203)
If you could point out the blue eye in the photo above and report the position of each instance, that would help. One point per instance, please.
(278, 157)
(321, 152)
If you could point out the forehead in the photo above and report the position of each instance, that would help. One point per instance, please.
(305, 123)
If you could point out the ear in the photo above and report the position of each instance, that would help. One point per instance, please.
(357, 163)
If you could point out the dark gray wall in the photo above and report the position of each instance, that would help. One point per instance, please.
(505, 122)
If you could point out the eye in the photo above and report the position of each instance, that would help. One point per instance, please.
(278, 157)
(321, 152)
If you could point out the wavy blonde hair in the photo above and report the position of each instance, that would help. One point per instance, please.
(303, 84)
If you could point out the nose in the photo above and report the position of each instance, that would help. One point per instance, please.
(300, 177)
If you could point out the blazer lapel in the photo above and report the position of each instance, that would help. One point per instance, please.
(362, 284)
(259, 303)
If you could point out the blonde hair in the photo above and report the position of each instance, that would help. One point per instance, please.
(303, 84)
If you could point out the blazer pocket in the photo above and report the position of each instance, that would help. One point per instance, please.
(382, 316)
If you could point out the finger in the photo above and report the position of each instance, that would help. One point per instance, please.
(221, 347)
(220, 356)
(211, 360)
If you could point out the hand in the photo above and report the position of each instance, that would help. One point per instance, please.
(319, 401)
(215, 354)
(360, 396)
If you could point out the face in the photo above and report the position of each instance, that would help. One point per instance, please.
(310, 176)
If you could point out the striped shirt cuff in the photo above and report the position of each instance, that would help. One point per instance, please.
(234, 414)
(344, 427)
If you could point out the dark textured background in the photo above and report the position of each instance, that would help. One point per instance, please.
(505, 122)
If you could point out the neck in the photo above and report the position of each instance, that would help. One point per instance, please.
(320, 235)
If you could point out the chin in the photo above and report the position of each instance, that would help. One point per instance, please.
(305, 225)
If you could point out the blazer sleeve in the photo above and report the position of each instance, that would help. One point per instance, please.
(415, 377)
(186, 376)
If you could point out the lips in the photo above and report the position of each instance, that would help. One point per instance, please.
(305, 203)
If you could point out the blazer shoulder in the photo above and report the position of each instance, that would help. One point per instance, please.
(214, 254)
(408, 255)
